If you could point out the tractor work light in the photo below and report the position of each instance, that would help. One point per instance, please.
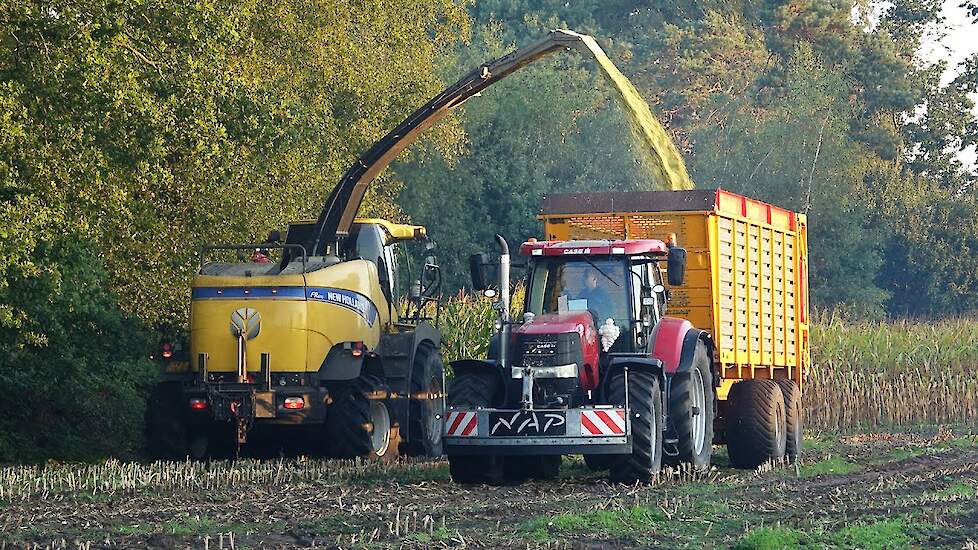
(198, 403)
(294, 403)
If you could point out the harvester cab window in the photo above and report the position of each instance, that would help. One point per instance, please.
(596, 285)
(367, 241)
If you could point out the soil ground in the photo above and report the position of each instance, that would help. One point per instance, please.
(881, 490)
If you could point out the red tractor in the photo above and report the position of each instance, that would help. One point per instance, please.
(594, 367)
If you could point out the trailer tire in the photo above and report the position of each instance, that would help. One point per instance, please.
(691, 401)
(645, 402)
(793, 417)
(756, 430)
(426, 415)
(475, 389)
(353, 421)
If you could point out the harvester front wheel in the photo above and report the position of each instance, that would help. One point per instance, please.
(756, 430)
(470, 390)
(691, 413)
(792, 410)
(427, 409)
(358, 427)
(645, 404)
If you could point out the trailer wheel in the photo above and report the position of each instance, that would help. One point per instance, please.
(357, 427)
(165, 423)
(426, 414)
(476, 389)
(793, 420)
(756, 431)
(691, 397)
(645, 402)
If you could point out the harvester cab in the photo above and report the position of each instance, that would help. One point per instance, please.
(586, 370)
(284, 338)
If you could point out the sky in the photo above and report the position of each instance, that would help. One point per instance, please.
(960, 42)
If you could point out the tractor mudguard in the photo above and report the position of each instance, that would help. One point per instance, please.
(674, 343)
(465, 366)
(618, 364)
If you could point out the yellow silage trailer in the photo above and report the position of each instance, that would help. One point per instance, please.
(746, 276)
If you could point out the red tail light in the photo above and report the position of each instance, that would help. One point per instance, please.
(294, 403)
(198, 403)
(357, 349)
(167, 351)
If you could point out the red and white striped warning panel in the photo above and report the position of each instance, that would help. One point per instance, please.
(461, 424)
(598, 422)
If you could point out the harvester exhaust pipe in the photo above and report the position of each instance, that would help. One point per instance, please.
(504, 328)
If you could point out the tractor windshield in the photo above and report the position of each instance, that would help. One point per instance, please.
(598, 285)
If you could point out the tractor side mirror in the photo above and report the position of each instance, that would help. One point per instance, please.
(676, 265)
(479, 269)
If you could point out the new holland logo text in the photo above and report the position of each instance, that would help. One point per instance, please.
(346, 298)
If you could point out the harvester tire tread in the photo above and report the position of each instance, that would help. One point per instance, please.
(681, 414)
(793, 417)
(756, 429)
(645, 402)
(165, 423)
(348, 424)
(427, 368)
(475, 389)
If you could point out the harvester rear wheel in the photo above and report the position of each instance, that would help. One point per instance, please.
(166, 423)
(426, 414)
(691, 412)
(475, 389)
(213, 441)
(645, 402)
(756, 430)
(357, 427)
(793, 421)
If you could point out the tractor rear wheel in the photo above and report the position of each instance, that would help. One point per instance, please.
(361, 427)
(427, 409)
(792, 410)
(756, 430)
(598, 463)
(645, 402)
(470, 390)
(691, 400)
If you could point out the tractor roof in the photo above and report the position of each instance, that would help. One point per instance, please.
(593, 248)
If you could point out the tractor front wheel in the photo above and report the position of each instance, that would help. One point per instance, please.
(645, 409)
(472, 390)
(691, 413)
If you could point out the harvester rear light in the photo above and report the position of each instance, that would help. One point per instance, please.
(357, 349)
(198, 403)
(294, 403)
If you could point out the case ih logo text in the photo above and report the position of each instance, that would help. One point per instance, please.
(345, 298)
(577, 251)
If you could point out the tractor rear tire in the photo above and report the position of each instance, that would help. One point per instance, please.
(756, 431)
(357, 427)
(475, 389)
(426, 415)
(793, 419)
(517, 469)
(645, 401)
(691, 406)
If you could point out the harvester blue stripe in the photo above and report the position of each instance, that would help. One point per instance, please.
(243, 293)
